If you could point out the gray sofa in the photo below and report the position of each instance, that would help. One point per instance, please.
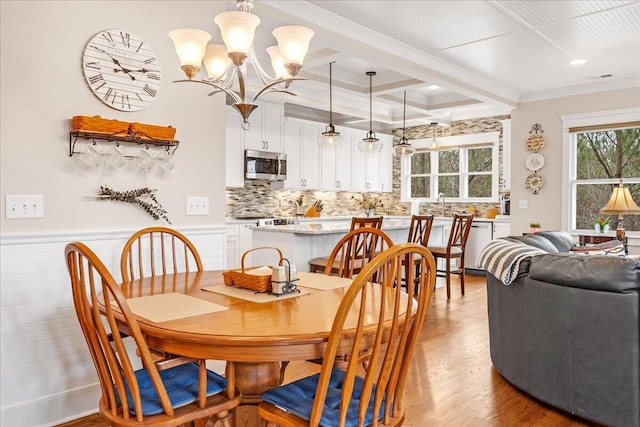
(567, 331)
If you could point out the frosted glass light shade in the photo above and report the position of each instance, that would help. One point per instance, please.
(293, 42)
(277, 62)
(237, 29)
(190, 45)
(216, 61)
(370, 144)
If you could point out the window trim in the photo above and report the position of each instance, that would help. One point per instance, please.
(604, 119)
(487, 139)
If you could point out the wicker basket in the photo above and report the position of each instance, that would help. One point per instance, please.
(143, 131)
(97, 124)
(240, 278)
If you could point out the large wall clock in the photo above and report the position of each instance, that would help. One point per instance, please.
(121, 70)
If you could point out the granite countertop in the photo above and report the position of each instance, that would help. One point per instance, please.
(332, 227)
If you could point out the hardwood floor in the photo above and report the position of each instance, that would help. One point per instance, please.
(453, 382)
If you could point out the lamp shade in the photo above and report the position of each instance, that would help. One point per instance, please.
(403, 148)
(190, 45)
(330, 137)
(216, 61)
(293, 42)
(620, 202)
(370, 144)
(237, 29)
(277, 62)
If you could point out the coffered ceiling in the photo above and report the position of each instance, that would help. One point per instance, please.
(455, 59)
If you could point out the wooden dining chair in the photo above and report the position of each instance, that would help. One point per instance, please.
(157, 394)
(419, 232)
(370, 321)
(454, 250)
(319, 264)
(158, 250)
(355, 249)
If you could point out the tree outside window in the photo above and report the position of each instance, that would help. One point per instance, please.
(602, 158)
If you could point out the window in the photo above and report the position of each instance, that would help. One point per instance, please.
(465, 168)
(602, 158)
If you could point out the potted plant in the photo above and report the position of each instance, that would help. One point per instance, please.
(602, 224)
(534, 227)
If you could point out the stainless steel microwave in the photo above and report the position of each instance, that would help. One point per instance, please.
(265, 165)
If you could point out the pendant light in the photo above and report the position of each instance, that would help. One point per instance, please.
(330, 137)
(434, 143)
(403, 148)
(370, 144)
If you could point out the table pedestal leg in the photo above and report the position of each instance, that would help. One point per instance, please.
(252, 379)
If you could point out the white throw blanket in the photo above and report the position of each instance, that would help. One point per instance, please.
(502, 258)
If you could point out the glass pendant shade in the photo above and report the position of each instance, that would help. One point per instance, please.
(216, 61)
(293, 43)
(237, 29)
(190, 45)
(277, 62)
(370, 144)
(330, 138)
(403, 148)
(434, 143)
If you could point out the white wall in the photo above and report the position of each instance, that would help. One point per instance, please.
(46, 374)
(545, 207)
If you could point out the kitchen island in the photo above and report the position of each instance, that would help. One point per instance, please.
(302, 242)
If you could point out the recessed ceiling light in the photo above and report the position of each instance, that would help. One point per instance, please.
(578, 62)
(433, 87)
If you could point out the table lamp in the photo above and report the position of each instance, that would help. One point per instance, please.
(620, 203)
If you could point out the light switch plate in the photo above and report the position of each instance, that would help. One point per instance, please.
(523, 204)
(197, 205)
(19, 206)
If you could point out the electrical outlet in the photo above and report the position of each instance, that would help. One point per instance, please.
(197, 205)
(24, 206)
(523, 204)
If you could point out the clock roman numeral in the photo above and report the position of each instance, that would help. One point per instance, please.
(96, 79)
(138, 49)
(125, 98)
(108, 37)
(126, 39)
(94, 65)
(151, 91)
(138, 95)
(153, 76)
(110, 92)
(149, 61)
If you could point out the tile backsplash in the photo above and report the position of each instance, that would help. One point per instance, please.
(257, 198)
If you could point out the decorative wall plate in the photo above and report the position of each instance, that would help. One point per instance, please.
(535, 143)
(534, 182)
(534, 162)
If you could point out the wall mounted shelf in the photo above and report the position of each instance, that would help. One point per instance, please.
(137, 138)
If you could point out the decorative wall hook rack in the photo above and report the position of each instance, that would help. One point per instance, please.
(536, 127)
(139, 138)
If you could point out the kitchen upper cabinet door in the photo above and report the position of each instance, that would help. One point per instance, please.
(372, 171)
(359, 166)
(344, 162)
(293, 132)
(266, 128)
(328, 156)
(234, 149)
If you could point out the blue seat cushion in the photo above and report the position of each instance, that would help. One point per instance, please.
(181, 383)
(297, 398)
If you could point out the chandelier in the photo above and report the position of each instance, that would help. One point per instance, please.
(403, 148)
(330, 137)
(237, 29)
(370, 144)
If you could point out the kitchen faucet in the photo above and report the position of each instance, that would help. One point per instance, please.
(441, 196)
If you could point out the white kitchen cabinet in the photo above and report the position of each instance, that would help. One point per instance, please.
(239, 237)
(234, 149)
(266, 128)
(480, 235)
(386, 164)
(337, 164)
(303, 155)
(501, 229)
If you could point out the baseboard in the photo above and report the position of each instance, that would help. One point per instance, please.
(54, 409)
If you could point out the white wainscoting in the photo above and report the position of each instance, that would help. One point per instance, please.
(47, 373)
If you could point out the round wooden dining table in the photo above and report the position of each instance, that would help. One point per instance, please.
(255, 339)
